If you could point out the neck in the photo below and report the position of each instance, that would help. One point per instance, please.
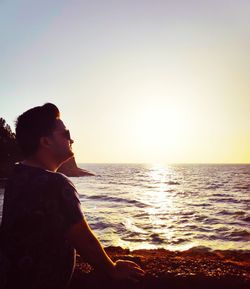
(41, 162)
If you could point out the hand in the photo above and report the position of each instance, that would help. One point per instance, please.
(125, 269)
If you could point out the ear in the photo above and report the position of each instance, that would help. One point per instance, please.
(45, 142)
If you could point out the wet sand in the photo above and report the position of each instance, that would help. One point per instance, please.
(172, 269)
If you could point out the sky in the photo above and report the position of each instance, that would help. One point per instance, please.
(136, 81)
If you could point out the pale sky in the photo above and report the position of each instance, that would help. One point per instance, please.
(135, 80)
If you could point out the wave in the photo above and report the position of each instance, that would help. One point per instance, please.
(242, 187)
(179, 241)
(200, 249)
(214, 187)
(225, 200)
(172, 183)
(156, 238)
(239, 234)
(238, 253)
(118, 200)
(246, 219)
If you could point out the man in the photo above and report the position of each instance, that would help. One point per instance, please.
(42, 222)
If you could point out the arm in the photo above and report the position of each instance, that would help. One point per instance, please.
(87, 245)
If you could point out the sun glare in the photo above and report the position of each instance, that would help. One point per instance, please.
(162, 130)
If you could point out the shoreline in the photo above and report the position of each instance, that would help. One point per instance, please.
(173, 269)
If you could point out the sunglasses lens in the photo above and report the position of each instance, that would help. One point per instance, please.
(67, 134)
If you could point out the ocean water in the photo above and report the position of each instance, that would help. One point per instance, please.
(176, 207)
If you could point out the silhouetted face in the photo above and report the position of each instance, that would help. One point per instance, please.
(61, 143)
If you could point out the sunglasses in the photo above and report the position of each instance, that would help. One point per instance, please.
(65, 133)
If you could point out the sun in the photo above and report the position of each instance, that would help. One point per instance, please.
(162, 130)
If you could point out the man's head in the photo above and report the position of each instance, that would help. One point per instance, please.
(40, 130)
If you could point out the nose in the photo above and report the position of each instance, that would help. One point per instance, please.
(71, 141)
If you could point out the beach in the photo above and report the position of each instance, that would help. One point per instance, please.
(172, 269)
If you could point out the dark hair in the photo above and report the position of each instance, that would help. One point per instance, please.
(33, 124)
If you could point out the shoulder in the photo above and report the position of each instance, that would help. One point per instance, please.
(65, 186)
(59, 180)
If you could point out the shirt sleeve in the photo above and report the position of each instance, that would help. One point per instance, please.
(70, 203)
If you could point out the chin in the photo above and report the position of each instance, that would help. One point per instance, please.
(67, 157)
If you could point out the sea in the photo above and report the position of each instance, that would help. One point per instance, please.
(176, 207)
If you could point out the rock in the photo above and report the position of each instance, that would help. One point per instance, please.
(171, 269)
(70, 169)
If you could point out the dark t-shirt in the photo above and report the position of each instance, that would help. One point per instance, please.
(39, 207)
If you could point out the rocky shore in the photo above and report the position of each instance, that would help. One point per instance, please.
(192, 269)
